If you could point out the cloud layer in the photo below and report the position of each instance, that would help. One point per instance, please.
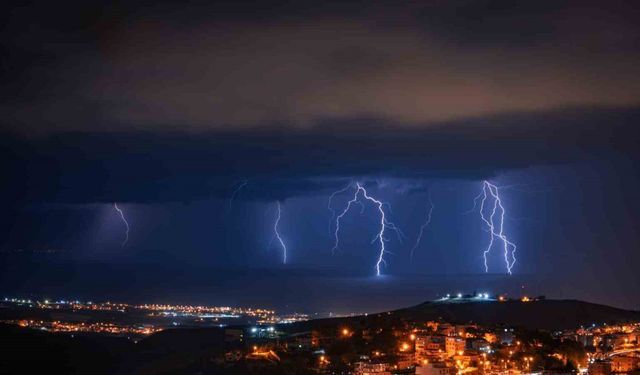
(150, 167)
(207, 67)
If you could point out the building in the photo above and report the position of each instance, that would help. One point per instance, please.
(369, 368)
(454, 345)
(405, 360)
(599, 368)
(467, 358)
(468, 371)
(428, 346)
(618, 341)
(621, 363)
(435, 369)
(446, 329)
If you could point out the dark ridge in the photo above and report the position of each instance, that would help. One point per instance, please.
(545, 314)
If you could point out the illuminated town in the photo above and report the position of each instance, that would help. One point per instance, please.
(130, 320)
(157, 309)
(383, 344)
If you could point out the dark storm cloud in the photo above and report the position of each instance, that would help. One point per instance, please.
(159, 102)
(279, 163)
(237, 66)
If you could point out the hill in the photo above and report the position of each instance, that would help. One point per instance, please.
(545, 314)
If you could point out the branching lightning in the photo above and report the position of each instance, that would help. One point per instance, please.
(475, 203)
(496, 230)
(344, 212)
(384, 223)
(235, 192)
(276, 234)
(423, 226)
(333, 211)
(126, 224)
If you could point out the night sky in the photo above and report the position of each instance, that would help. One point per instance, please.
(167, 108)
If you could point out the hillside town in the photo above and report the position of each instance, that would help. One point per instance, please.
(395, 346)
(386, 343)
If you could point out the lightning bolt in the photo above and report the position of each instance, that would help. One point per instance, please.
(475, 203)
(344, 212)
(384, 224)
(276, 234)
(235, 192)
(423, 226)
(496, 230)
(126, 224)
(333, 195)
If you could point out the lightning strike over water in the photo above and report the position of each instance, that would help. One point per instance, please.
(423, 226)
(496, 230)
(126, 224)
(276, 234)
(384, 224)
(235, 192)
